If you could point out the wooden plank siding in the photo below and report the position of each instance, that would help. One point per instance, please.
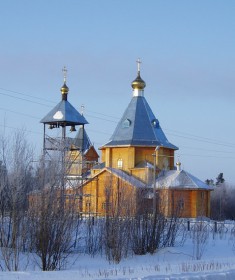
(108, 194)
(185, 203)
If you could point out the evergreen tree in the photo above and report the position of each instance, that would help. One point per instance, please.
(220, 179)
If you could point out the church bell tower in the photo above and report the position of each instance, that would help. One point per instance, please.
(59, 124)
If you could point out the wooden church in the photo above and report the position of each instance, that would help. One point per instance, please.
(136, 173)
(137, 166)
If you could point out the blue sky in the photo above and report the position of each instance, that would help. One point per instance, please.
(188, 54)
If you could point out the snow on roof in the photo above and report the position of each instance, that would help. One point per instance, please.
(180, 179)
(122, 175)
(144, 164)
(126, 177)
(99, 165)
(64, 112)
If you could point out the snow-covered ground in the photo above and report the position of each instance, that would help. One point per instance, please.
(217, 262)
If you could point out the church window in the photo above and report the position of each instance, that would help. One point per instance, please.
(88, 205)
(106, 205)
(155, 123)
(126, 123)
(181, 204)
(119, 163)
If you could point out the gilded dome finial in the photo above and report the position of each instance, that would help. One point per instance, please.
(138, 83)
(64, 89)
(178, 165)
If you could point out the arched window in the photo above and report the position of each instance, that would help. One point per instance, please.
(119, 163)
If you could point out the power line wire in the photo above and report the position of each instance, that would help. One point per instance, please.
(100, 144)
(207, 150)
(200, 137)
(191, 136)
(24, 99)
(31, 96)
(204, 141)
(19, 113)
(47, 100)
(207, 156)
(17, 128)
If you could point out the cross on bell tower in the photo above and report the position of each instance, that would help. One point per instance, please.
(58, 120)
(64, 70)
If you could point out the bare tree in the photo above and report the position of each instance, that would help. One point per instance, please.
(53, 218)
(119, 206)
(152, 231)
(200, 235)
(94, 235)
(15, 181)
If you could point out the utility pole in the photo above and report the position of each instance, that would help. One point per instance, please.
(154, 181)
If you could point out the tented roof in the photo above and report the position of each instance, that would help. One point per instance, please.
(82, 137)
(64, 112)
(139, 127)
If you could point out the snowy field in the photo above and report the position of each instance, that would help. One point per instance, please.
(216, 261)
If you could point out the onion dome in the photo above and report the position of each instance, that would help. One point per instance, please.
(64, 89)
(138, 126)
(138, 83)
(178, 165)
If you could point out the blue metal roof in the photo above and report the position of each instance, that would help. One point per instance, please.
(64, 112)
(139, 127)
(82, 137)
(99, 166)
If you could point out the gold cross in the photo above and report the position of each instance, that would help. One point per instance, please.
(82, 109)
(138, 64)
(64, 70)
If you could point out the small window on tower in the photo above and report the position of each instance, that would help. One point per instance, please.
(119, 163)
(126, 123)
(155, 123)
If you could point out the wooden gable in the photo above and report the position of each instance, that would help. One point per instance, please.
(107, 192)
